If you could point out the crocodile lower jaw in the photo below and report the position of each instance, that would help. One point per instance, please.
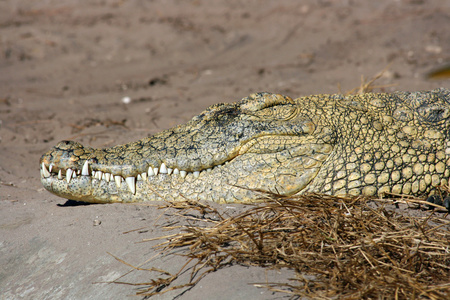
(48, 173)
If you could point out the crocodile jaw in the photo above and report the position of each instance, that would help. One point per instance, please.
(285, 172)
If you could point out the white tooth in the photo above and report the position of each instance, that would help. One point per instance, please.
(208, 170)
(93, 174)
(155, 170)
(78, 172)
(163, 169)
(150, 171)
(183, 174)
(69, 175)
(107, 177)
(74, 174)
(50, 168)
(144, 176)
(196, 174)
(85, 171)
(131, 181)
(59, 174)
(118, 180)
(138, 178)
(98, 175)
(169, 171)
(103, 176)
(45, 172)
(176, 171)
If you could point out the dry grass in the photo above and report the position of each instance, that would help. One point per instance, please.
(339, 247)
(368, 86)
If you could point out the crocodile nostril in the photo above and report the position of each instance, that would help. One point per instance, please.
(67, 145)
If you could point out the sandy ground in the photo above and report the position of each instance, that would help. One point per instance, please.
(66, 66)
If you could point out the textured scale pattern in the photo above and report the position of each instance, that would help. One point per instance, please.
(368, 144)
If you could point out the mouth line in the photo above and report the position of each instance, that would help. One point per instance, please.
(87, 171)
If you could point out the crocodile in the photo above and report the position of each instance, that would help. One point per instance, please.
(369, 144)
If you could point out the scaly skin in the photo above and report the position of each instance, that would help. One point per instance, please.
(368, 144)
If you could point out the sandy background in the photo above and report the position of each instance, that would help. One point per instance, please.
(66, 65)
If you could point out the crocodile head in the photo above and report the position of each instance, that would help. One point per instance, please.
(224, 154)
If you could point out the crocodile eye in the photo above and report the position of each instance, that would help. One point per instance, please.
(269, 107)
(279, 112)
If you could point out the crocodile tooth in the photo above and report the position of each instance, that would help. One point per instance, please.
(196, 174)
(183, 174)
(69, 175)
(107, 177)
(208, 170)
(98, 175)
(118, 180)
(93, 174)
(139, 177)
(176, 171)
(163, 169)
(150, 171)
(74, 174)
(169, 171)
(131, 182)
(103, 176)
(155, 170)
(60, 174)
(85, 170)
(50, 168)
(144, 176)
(45, 172)
(78, 172)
